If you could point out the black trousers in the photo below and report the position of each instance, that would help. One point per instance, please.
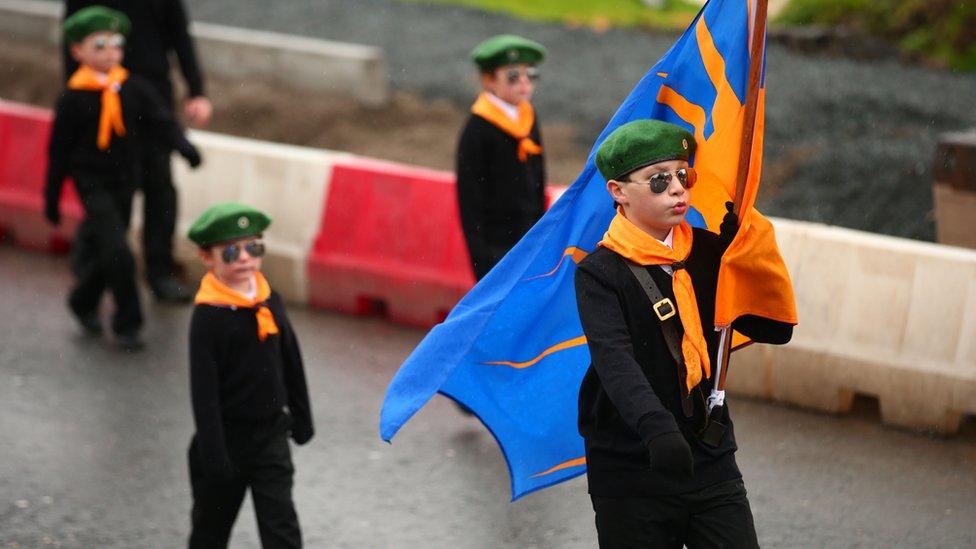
(100, 256)
(159, 209)
(262, 458)
(716, 516)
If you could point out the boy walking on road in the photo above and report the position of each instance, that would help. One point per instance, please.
(98, 121)
(247, 384)
(501, 171)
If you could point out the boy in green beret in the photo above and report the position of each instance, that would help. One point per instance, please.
(247, 385)
(661, 471)
(500, 166)
(97, 120)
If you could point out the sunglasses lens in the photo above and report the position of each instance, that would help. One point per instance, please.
(231, 253)
(100, 44)
(660, 182)
(118, 41)
(254, 248)
(532, 73)
(512, 76)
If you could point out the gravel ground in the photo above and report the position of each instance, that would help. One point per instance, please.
(830, 122)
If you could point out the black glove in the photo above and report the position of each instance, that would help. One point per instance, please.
(52, 210)
(190, 153)
(729, 226)
(302, 433)
(671, 454)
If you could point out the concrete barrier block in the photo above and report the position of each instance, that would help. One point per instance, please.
(750, 372)
(31, 20)
(808, 376)
(304, 63)
(936, 316)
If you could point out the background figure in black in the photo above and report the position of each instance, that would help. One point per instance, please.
(500, 166)
(158, 28)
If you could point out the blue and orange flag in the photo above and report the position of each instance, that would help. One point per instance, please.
(513, 350)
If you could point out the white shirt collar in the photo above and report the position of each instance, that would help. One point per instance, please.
(508, 108)
(668, 240)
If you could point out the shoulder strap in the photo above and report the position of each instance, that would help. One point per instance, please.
(666, 311)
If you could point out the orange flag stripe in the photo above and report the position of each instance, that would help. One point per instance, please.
(564, 465)
(575, 342)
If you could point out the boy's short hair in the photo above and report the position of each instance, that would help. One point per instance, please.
(507, 49)
(94, 19)
(227, 221)
(641, 143)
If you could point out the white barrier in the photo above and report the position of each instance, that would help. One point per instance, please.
(289, 183)
(305, 64)
(885, 317)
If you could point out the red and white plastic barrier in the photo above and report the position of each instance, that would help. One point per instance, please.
(24, 135)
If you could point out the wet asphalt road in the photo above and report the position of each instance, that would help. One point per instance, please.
(93, 445)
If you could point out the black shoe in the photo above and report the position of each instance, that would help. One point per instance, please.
(170, 290)
(89, 322)
(129, 342)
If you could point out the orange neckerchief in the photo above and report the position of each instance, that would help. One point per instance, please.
(110, 118)
(631, 242)
(214, 292)
(484, 108)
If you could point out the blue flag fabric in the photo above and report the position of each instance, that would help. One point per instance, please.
(513, 350)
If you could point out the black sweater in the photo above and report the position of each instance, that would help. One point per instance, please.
(158, 27)
(74, 149)
(631, 392)
(237, 378)
(499, 197)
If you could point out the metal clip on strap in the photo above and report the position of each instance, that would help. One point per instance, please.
(665, 310)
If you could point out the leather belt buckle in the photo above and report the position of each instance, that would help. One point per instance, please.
(664, 309)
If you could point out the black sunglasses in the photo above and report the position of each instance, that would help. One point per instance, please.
(232, 252)
(514, 74)
(115, 41)
(660, 182)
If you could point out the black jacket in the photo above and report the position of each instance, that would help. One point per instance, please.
(158, 28)
(499, 197)
(73, 147)
(631, 392)
(237, 378)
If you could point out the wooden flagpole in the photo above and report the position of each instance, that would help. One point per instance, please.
(745, 152)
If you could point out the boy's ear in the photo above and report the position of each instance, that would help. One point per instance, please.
(615, 188)
(75, 53)
(205, 256)
(488, 80)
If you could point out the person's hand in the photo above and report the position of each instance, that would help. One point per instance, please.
(52, 211)
(302, 434)
(671, 454)
(191, 154)
(198, 110)
(730, 224)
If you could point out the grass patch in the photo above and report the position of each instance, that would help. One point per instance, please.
(941, 30)
(598, 14)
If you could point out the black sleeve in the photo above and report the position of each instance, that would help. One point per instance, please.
(472, 178)
(764, 330)
(158, 119)
(63, 137)
(612, 355)
(299, 403)
(542, 167)
(179, 35)
(205, 395)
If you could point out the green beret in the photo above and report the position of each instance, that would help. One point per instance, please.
(227, 221)
(507, 49)
(93, 19)
(641, 143)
